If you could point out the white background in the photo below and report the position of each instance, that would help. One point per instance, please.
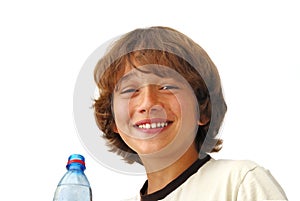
(43, 45)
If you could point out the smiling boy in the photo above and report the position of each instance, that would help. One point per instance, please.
(161, 105)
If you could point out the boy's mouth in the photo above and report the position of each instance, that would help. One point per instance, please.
(152, 124)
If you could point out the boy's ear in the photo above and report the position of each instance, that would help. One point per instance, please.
(203, 120)
(115, 129)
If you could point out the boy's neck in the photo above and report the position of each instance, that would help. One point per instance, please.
(159, 179)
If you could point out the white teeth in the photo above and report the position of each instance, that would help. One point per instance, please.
(153, 125)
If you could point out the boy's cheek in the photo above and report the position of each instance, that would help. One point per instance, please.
(121, 111)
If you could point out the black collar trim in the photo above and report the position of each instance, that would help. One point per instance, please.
(160, 194)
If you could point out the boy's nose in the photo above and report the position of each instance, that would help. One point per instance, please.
(149, 100)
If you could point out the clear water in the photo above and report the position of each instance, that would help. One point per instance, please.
(73, 193)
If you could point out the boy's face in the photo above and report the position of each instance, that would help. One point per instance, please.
(155, 110)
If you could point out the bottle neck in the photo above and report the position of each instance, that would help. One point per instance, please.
(76, 166)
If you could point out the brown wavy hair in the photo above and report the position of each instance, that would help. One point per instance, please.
(167, 47)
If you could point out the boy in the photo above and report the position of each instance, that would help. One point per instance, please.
(161, 105)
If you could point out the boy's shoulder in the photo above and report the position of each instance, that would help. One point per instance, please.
(229, 164)
(228, 167)
(246, 178)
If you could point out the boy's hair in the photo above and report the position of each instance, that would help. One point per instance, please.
(167, 47)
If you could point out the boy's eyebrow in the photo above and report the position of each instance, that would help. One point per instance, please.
(124, 78)
(134, 75)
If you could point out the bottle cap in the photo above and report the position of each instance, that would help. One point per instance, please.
(76, 159)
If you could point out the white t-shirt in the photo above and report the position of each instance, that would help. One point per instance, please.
(219, 180)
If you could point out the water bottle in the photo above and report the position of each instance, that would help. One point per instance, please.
(74, 185)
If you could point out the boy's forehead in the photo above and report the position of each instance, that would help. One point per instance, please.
(150, 70)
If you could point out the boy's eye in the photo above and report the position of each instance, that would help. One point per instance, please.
(168, 87)
(130, 90)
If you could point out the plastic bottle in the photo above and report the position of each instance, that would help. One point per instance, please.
(74, 185)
